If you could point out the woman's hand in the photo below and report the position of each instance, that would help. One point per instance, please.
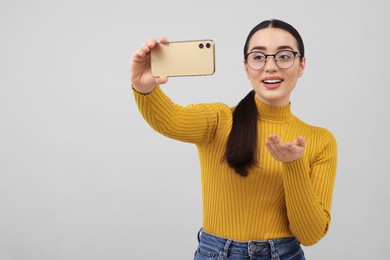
(141, 75)
(285, 152)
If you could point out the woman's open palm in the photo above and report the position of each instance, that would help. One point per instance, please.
(285, 152)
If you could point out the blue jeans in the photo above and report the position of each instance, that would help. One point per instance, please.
(217, 248)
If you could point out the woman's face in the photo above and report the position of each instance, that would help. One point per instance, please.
(272, 84)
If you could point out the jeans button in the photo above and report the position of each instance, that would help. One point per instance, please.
(252, 248)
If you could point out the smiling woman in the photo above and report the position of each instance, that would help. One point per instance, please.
(267, 75)
(267, 177)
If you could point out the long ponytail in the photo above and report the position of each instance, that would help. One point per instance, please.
(241, 146)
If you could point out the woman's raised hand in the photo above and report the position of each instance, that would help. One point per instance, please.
(285, 152)
(140, 73)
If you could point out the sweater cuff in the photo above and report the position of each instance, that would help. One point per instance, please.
(135, 92)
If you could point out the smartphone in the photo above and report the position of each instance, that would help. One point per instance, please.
(183, 58)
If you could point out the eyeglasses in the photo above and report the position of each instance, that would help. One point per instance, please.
(284, 59)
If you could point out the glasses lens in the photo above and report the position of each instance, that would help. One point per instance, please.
(256, 60)
(285, 59)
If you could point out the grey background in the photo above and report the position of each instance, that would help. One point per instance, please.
(82, 176)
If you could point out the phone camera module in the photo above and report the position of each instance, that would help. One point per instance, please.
(201, 45)
(208, 45)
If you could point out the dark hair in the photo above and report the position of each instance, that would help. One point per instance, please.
(241, 148)
(278, 24)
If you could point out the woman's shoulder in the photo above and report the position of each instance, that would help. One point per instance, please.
(316, 131)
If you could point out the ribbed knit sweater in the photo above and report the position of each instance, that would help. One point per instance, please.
(276, 199)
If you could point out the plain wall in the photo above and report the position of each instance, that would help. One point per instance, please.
(82, 176)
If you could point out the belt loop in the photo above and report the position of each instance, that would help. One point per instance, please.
(199, 234)
(224, 254)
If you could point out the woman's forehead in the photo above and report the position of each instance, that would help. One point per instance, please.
(272, 39)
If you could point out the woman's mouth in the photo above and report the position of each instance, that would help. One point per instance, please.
(272, 83)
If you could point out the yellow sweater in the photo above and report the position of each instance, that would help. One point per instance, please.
(276, 199)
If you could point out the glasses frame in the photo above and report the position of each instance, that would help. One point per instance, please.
(295, 53)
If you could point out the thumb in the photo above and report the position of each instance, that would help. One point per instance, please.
(161, 80)
(300, 141)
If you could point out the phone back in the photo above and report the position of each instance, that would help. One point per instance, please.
(185, 58)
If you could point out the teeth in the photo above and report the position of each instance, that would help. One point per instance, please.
(272, 81)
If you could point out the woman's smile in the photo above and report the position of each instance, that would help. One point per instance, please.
(272, 82)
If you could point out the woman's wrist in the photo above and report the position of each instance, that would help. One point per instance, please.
(142, 92)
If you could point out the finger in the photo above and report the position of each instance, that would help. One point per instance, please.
(271, 150)
(141, 52)
(277, 145)
(161, 80)
(164, 40)
(147, 46)
(300, 141)
(151, 42)
(274, 138)
(291, 147)
(138, 55)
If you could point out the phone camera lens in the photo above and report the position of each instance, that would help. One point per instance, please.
(208, 45)
(201, 45)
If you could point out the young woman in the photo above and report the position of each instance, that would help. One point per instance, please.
(267, 177)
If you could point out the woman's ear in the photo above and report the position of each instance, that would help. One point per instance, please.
(246, 68)
(302, 66)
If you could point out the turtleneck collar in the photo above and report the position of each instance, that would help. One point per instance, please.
(271, 113)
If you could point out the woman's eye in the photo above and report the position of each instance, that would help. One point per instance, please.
(284, 57)
(259, 57)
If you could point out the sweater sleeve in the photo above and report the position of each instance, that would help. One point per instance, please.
(309, 190)
(193, 123)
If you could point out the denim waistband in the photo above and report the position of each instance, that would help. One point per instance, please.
(272, 248)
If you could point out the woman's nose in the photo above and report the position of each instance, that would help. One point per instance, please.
(270, 64)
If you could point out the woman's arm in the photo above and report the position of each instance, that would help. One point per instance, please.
(194, 123)
(309, 190)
